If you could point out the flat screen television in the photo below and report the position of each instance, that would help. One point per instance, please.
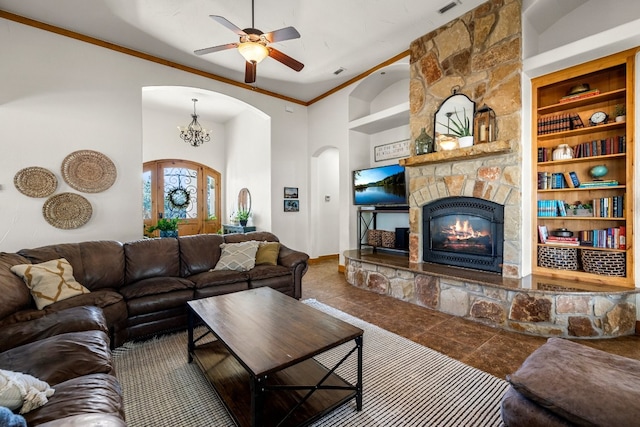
(379, 186)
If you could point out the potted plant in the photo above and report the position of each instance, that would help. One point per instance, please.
(243, 217)
(620, 112)
(460, 127)
(168, 227)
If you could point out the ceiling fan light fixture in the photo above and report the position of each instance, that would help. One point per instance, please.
(253, 51)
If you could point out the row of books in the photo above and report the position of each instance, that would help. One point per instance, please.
(551, 180)
(599, 147)
(604, 207)
(559, 123)
(609, 238)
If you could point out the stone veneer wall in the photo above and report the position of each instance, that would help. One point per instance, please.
(481, 54)
(535, 312)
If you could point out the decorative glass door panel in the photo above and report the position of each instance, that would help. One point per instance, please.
(188, 191)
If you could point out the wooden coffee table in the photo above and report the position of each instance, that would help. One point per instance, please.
(262, 365)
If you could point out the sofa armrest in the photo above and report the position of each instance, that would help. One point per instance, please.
(87, 420)
(75, 319)
(290, 258)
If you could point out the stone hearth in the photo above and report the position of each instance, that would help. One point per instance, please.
(536, 305)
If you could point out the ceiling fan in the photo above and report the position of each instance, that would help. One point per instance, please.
(254, 45)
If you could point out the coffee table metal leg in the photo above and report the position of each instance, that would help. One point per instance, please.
(190, 343)
(257, 400)
(359, 383)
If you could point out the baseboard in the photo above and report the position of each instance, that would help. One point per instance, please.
(341, 268)
(637, 327)
(322, 258)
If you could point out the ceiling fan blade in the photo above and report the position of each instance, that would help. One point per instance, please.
(282, 34)
(250, 72)
(222, 20)
(215, 48)
(285, 59)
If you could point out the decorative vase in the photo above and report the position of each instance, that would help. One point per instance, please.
(563, 151)
(621, 118)
(424, 143)
(243, 222)
(169, 233)
(465, 141)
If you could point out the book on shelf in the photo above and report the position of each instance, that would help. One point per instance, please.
(543, 233)
(562, 242)
(581, 95)
(603, 183)
(561, 208)
(572, 179)
(608, 238)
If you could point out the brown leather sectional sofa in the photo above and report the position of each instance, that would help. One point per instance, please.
(138, 289)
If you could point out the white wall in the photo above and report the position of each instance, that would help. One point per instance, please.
(325, 179)
(60, 95)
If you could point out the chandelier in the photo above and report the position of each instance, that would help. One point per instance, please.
(194, 134)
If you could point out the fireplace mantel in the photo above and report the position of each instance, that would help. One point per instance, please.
(479, 150)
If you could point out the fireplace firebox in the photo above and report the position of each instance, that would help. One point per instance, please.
(464, 232)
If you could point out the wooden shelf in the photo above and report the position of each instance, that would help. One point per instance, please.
(478, 150)
(389, 118)
(614, 77)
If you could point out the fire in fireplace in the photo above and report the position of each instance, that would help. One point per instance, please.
(464, 232)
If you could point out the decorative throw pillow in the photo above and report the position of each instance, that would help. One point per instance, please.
(237, 256)
(50, 281)
(22, 391)
(268, 253)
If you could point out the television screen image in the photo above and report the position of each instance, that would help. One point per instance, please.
(383, 185)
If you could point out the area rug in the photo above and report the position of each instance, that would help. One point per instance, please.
(404, 384)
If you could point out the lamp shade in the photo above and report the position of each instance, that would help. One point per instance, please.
(253, 52)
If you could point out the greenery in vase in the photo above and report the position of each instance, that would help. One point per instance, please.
(165, 224)
(242, 215)
(461, 126)
(620, 110)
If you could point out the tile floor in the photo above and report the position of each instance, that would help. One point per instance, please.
(492, 350)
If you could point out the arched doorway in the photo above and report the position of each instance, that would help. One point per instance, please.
(182, 189)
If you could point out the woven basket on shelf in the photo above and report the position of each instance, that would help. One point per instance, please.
(560, 258)
(604, 263)
(388, 239)
(374, 237)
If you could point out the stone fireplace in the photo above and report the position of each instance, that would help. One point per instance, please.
(479, 54)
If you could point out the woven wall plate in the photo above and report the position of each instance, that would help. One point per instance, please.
(88, 171)
(35, 181)
(67, 210)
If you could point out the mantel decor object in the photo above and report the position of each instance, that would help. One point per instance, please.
(484, 125)
(452, 120)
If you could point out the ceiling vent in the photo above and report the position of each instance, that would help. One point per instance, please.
(447, 7)
(339, 70)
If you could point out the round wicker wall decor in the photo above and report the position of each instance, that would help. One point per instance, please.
(35, 181)
(67, 210)
(88, 171)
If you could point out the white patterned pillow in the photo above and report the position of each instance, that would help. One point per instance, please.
(238, 256)
(22, 391)
(50, 281)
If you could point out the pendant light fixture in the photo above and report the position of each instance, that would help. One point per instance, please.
(194, 133)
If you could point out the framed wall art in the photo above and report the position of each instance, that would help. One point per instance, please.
(290, 192)
(291, 205)
(392, 150)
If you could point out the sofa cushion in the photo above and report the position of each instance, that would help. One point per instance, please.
(218, 277)
(88, 394)
(151, 258)
(76, 354)
(155, 286)
(22, 391)
(237, 256)
(50, 281)
(517, 410)
(75, 319)
(267, 253)
(199, 253)
(15, 295)
(268, 271)
(581, 384)
(96, 264)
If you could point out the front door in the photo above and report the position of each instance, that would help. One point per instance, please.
(182, 189)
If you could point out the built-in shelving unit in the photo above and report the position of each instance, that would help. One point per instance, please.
(388, 118)
(601, 250)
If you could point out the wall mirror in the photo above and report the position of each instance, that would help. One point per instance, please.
(244, 200)
(456, 111)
